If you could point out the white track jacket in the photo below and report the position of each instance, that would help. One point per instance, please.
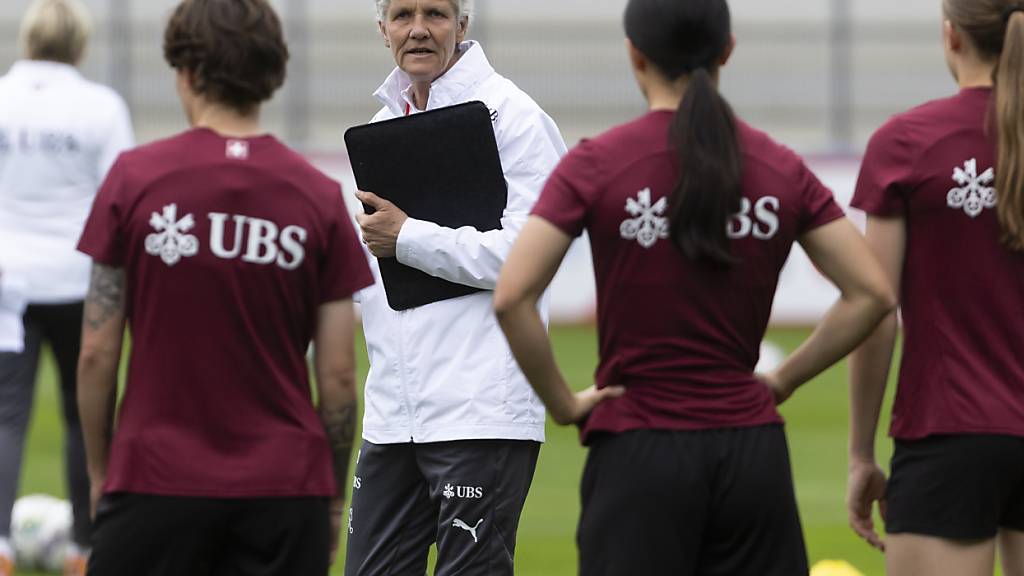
(59, 134)
(443, 371)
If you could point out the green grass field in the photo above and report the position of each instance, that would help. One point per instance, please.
(816, 426)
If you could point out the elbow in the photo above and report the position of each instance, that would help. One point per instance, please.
(882, 299)
(505, 303)
(341, 382)
(337, 386)
(886, 299)
(94, 362)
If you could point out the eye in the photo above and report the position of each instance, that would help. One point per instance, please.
(435, 13)
(401, 14)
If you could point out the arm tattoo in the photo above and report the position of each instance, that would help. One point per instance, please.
(106, 295)
(340, 425)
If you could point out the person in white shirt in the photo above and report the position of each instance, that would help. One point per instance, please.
(451, 430)
(59, 134)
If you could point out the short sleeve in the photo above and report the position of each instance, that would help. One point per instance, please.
(343, 270)
(884, 174)
(570, 191)
(819, 204)
(103, 236)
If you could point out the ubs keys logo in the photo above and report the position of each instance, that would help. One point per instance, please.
(464, 492)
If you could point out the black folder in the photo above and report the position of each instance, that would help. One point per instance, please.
(441, 166)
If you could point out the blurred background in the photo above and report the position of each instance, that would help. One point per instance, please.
(819, 75)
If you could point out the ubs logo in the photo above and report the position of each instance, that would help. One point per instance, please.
(253, 240)
(464, 492)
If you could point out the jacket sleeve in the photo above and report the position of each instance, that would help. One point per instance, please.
(529, 153)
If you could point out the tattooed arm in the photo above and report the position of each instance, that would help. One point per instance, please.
(334, 360)
(102, 336)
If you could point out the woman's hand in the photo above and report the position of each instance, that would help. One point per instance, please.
(865, 486)
(380, 230)
(583, 403)
(337, 512)
(781, 392)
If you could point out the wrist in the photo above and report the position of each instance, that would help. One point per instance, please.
(859, 459)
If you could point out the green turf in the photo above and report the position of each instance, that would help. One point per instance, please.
(816, 425)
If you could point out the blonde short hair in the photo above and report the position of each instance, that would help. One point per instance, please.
(56, 30)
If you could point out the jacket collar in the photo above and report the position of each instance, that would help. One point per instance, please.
(471, 69)
(38, 70)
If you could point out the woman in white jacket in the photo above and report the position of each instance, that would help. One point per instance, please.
(452, 429)
(59, 134)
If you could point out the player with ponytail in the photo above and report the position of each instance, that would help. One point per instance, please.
(943, 187)
(691, 214)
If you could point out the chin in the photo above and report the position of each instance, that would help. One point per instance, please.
(420, 72)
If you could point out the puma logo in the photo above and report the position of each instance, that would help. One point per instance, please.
(460, 524)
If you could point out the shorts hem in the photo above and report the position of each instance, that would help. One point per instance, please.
(943, 532)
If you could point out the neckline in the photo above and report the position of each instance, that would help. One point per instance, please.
(220, 136)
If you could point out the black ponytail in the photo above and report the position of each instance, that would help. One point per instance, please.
(708, 191)
(689, 39)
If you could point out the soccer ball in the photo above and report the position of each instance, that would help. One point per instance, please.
(771, 357)
(834, 568)
(41, 532)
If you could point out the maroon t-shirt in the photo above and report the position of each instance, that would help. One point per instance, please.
(962, 295)
(682, 336)
(229, 246)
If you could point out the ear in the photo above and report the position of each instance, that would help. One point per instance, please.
(636, 57)
(460, 35)
(952, 37)
(728, 51)
(383, 33)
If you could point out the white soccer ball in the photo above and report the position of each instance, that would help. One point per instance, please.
(771, 357)
(41, 532)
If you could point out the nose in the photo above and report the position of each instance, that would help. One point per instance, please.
(419, 28)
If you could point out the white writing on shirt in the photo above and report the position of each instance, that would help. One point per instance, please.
(763, 224)
(257, 241)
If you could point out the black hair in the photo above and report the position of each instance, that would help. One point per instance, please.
(688, 38)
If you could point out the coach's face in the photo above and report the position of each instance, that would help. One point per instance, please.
(423, 36)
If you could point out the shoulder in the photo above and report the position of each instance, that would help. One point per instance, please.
(614, 150)
(296, 169)
(759, 144)
(138, 166)
(768, 154)
(771, 165)
(638, 130)
(100, 98)
(510, 106)
(912, 127)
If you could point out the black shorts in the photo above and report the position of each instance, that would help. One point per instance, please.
(702, 503)
(142, 535)
(963, 487)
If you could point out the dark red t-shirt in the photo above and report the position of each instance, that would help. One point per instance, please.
(962, 295)
(681, 336)
(229, 247)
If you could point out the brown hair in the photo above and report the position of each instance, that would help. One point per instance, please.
(996, 28)
(55, 30)
(234, 49)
